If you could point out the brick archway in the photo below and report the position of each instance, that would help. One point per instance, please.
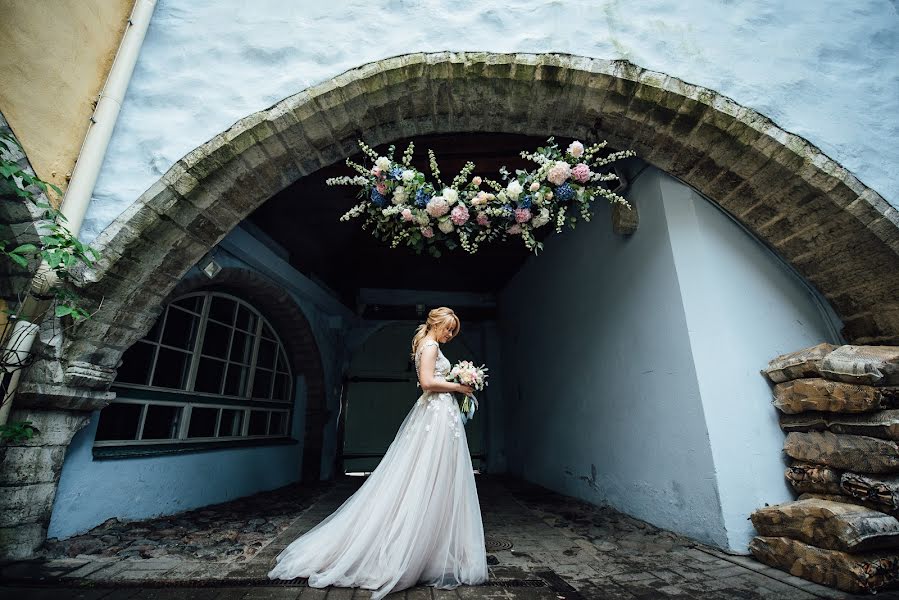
(841, 235)
(296, 334)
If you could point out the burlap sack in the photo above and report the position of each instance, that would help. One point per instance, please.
(883, 424)
(855, 573)
(872, 365)
(808, 477)
(802, 363)
(882, 490)
(832, 525)
(857, 453)
(816, 394)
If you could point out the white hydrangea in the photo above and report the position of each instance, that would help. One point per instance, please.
(514, 189)
(383, 163)
(575, 149)
(399, 195)
(445, 226)
(422, 218)
(541, 219)
(408, 175)
(451, 195)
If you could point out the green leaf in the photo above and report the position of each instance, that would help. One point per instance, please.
(63, 310)
(24, 248)
(19, 260)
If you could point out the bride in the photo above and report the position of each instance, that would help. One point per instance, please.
(416, 519)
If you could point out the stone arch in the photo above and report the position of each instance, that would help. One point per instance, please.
(838, 233)
(296, 334)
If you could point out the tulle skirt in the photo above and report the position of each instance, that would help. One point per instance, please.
(415, 520)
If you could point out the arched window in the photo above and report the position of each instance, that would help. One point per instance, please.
(212, 369)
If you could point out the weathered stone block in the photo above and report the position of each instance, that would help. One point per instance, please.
(30, 503)
(21, 465)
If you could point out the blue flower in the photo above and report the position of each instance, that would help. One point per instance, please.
(378, 199)
(422, 198)
(525, 202)
(564, 193)
(396, 173)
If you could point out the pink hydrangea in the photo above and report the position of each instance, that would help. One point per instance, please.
(437, 207)
(522, 215)
(460, 214)
(382, 188)
(483, 221)
(581, 172)
(427, 232)
(514, 229)
(407, 214)
(559, 173)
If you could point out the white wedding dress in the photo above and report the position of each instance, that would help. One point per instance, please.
(415, 520)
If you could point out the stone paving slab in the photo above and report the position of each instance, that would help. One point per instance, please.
(571, 549)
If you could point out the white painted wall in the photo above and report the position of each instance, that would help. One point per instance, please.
(632, 365)
(827, 70)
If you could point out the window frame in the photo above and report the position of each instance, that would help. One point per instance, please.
(187, 398)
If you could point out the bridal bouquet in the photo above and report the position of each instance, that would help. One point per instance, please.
(466, 373)
(403, 206)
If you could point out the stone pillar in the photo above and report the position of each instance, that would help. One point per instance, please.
(29, 473)
(29, 470)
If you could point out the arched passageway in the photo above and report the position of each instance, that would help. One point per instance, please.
(832, 229)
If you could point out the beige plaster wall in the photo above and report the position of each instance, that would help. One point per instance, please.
(56, 54)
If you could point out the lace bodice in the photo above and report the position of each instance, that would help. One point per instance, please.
(441, 367)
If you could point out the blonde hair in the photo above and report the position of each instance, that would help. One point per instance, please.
(439, 316)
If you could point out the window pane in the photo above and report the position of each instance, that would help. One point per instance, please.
(194, 303)
(232, 421)
(267, 332)
(180, 329)
(258, 421)
(278, 424)
(209, 376)
(282, 361)
(136, 363)
(222, 309)
(241, 347)
(236, 380)
(171, 369)
(282, 387)
(153, 334)
(262, 383)
(161, 422)
(119, 421)
(246, 320)
(215, 340)
(266, 356)
(202, 422)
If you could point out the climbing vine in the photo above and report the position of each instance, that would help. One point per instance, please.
(58, 251)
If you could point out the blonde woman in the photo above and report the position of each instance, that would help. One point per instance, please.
(416, 519)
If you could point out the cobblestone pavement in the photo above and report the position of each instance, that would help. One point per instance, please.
(228, 532)
(561, 549)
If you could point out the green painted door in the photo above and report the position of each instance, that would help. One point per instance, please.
(380, 392)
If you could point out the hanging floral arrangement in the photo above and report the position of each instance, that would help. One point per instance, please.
(403, 207)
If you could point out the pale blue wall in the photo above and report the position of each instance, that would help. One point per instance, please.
(632, 365)
(92, 491)
(743, 308)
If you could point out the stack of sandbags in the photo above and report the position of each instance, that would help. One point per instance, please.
(840, 409)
